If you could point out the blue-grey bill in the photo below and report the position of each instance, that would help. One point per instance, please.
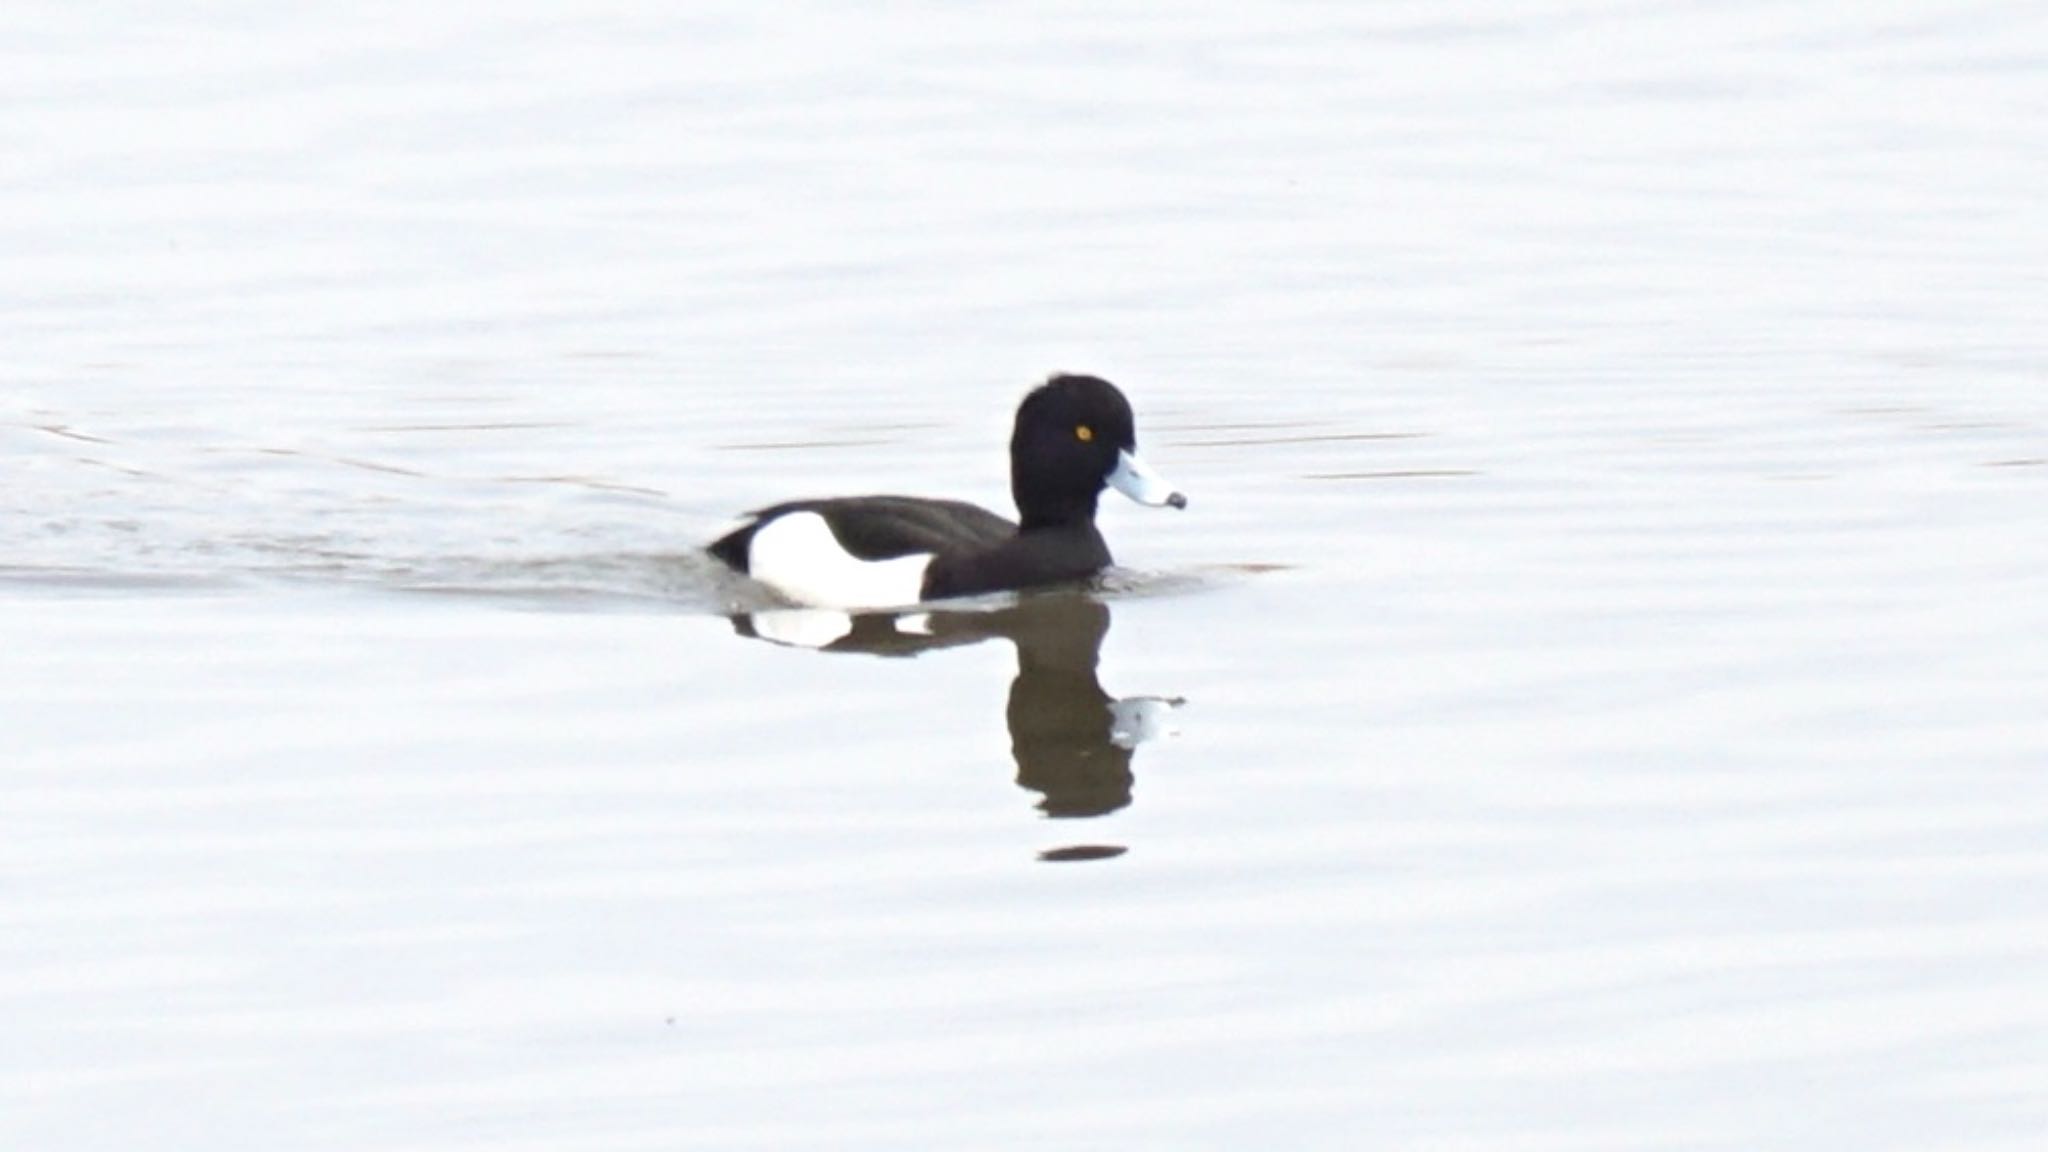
(1132, 478)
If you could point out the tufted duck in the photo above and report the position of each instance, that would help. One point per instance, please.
(1073, 437)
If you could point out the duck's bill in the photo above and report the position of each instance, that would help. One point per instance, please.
(1134, 479)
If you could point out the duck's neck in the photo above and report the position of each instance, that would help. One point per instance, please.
(1075, 513)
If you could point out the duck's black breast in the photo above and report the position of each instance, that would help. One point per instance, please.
(1032, 558)
(883, 527)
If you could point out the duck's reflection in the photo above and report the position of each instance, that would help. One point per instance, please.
(1071, 740)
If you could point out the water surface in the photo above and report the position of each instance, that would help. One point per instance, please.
(1594, 698)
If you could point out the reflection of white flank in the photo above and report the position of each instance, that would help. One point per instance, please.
(801, 627)
(1140, 718)
(798, 556)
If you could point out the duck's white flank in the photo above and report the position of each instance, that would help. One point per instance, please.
(797, 555)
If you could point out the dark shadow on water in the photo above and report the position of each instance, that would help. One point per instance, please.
(1071, 741)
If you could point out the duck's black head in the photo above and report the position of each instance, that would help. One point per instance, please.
(1074, 436)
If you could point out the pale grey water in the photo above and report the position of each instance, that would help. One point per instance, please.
(1610, 620)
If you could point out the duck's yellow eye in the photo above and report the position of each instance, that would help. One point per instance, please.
(1083, 433)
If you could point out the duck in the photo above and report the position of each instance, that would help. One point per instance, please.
(1073, 438)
